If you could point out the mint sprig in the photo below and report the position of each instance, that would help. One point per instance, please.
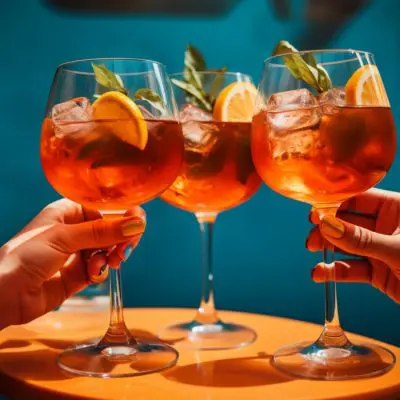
(112, 81)
(304, 66)
(192, 83)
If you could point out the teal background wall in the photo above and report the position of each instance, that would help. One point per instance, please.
(261, 264)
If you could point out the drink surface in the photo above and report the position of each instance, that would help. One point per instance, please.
(87, 163)
(218, 172)
(343, 154)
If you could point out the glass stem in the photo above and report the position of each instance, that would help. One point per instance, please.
(206, 313)
(117, 332)
(332, 334)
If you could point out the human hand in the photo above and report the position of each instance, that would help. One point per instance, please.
(52, 257)
(367, 225)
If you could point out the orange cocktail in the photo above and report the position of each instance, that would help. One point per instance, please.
(218, 172)
(344, 154)
(94, 166)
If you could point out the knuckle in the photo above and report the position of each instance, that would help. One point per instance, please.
(60, 235)
(368, 239)
(364, 238)
(358, 236)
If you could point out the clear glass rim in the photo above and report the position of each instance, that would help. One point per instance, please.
(356, 53)
(65, 65)
(229, 73)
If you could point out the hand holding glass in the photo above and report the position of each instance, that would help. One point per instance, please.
(323, 148)
(100, 149)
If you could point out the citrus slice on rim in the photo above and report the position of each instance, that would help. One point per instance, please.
(365, 88)
(236, 103)
(125, 116)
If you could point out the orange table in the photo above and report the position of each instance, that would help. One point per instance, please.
(28, 367)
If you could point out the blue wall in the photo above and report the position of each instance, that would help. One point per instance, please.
(260, 261)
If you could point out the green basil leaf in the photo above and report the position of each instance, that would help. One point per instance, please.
(324, 80)
(310, 59)
(193, 84)
(193, 58)
(303, 67)
(152, 98)
(196, 93)
(284, 47)
(107, 78)
(301, 70)
(194, 77)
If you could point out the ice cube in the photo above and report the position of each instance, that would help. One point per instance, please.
(303, 145)
(294, 109)
(193, 113)
(332, 99)
(72, 116)
(200, 137)
(292, 99)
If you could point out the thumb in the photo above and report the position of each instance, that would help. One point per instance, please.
(95, 234)
(356, 239)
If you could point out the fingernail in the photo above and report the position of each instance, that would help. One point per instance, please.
(133, 227)
(306, 243)
(128, 251)
(332, 227)
(102, 274)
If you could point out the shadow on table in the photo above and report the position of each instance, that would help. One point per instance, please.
(231, 372)
(59, 344)
(14, 344)
(41, 364)
(32, 365)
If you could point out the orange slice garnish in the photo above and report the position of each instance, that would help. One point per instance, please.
(126, 119)
(236, 103)
(365, 88)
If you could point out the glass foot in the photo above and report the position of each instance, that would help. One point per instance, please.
(310, 360)
(216, 336)
(117, 361)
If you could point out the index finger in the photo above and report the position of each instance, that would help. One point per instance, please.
(90, 214)
(368, 202)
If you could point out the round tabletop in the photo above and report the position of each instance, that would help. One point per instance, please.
(28, 368)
